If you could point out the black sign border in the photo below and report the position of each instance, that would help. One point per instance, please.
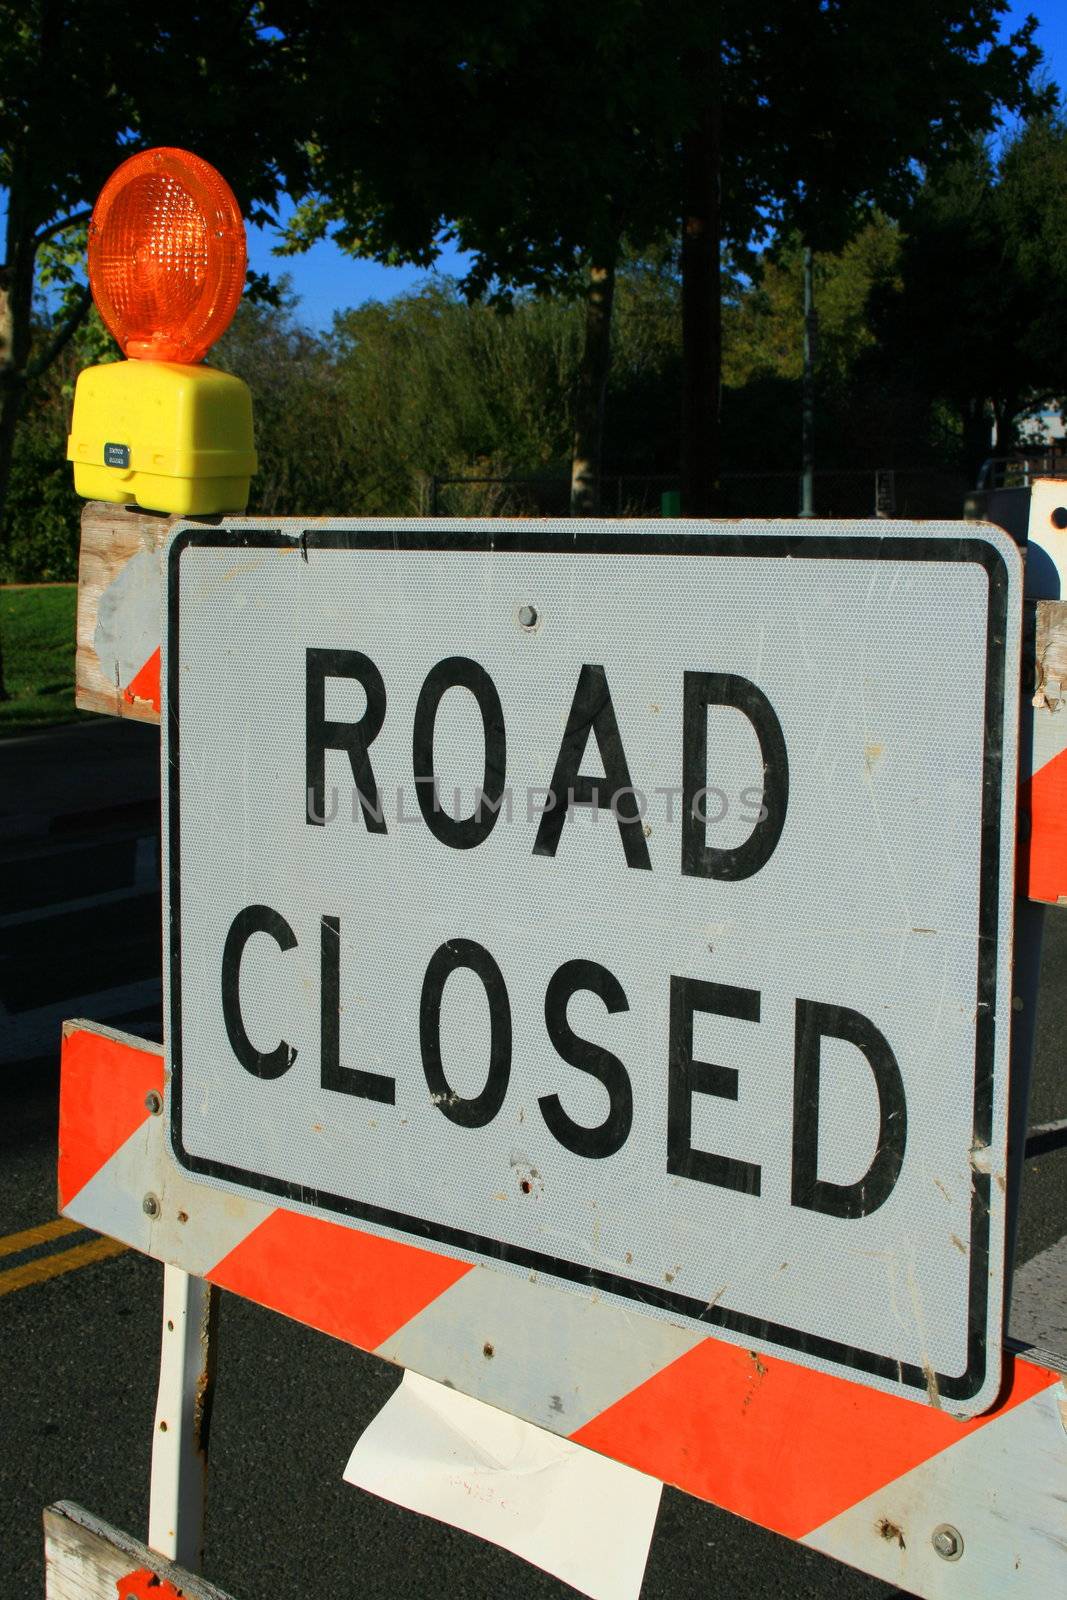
(539, 539)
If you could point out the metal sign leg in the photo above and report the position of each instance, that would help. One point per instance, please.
(183, 1411)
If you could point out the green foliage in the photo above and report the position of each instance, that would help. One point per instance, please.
(358, 421)
(432, 385)
(863, 418)
(299, 421)
(43, 507)
(43, 510)
(38, 630)
(929, 329)
(643, 413)
(82, 87)
(922, 325)
(977, 322)
(539, 134)
(763, 326)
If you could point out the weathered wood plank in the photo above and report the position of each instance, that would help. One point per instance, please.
(1050, 654)
(85, 1559)
(1043, 795)
(119, 598)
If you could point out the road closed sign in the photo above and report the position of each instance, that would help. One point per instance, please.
(624, 905)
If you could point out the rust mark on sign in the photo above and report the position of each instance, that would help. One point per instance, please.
(529, 1179)
(931, 1386)
(891, 1532)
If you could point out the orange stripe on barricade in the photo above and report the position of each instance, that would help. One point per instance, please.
(779, 1444)
(1044, 795)
(102, 1101)
(352, 1285)
(144, 685)
(782, 1445)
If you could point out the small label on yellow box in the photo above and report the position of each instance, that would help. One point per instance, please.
(116, 455)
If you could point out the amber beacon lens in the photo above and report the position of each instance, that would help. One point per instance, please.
(166, 255)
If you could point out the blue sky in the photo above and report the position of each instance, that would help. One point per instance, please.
(324, 278)
(328, 281)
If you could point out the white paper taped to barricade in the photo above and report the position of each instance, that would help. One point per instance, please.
(577, 1515)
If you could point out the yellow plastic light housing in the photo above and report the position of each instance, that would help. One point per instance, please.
(164, 436)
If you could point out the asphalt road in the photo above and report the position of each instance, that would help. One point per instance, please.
(80, 1347)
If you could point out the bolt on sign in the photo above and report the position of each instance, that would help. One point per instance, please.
(623, 908)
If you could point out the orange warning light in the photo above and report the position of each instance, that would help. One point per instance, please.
(166, 255)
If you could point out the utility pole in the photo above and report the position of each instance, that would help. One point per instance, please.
(701, 286)
(807, 481)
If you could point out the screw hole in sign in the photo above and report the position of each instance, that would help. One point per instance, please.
(167, 255)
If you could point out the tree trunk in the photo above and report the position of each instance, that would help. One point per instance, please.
(701, 290)
(1005, 410)
(590, 393)
(11, 396)
(976, 437)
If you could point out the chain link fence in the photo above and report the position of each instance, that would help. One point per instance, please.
(853, 492)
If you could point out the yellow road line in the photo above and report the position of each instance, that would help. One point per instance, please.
(53, 1266)
(14, 1242)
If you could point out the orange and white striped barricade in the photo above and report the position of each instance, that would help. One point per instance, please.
(756, 1395)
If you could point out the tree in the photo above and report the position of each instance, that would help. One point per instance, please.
(541, 136)
(864, 415)
(434, 386)
(978, 320)
(302, 425)
(821, 112)
(764, 319)
(503, 110)
(83, 86)
(41, 502)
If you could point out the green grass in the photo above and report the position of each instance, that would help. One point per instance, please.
(37, 637)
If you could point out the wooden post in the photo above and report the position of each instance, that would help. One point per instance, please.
(86, 1559)
(183, 1414)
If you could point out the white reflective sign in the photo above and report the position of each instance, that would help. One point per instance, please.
(625, 904)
